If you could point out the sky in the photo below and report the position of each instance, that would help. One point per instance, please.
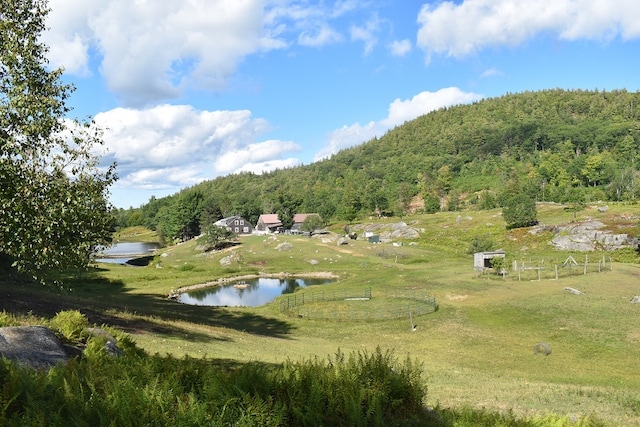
(189, 90)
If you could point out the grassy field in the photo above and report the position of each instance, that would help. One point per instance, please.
(477, 348)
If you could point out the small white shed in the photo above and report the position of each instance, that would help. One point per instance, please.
(482, 260)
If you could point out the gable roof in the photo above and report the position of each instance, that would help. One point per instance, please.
(227, 221)
(269, 219)
(301, 217)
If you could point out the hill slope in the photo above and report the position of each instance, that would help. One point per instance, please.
(557, 145)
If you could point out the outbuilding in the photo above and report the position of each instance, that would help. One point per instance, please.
(482, 260)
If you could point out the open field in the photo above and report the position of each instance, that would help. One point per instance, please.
(477, 348)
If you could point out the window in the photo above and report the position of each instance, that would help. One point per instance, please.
(237, 222)
(237, 229)
(245, 230)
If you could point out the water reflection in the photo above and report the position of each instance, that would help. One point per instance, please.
(122, 252)
(248, 293)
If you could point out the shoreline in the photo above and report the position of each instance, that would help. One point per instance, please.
(174, 293)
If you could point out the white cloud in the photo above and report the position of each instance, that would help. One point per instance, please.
(176, 145)
(246, 158)
(462, 29)
(400, 47)
(399, 112)
(152, 53)
(491, 72)
(319, 37)
(366, 33)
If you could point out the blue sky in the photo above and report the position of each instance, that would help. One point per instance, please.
(188, 90)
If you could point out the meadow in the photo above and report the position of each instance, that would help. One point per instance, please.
(477, 348)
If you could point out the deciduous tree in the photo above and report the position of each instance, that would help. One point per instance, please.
(53, 206)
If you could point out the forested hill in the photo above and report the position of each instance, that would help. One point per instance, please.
(556, 145)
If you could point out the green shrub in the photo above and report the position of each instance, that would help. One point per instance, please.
(71, 324)
(629, 255)
(480, 244)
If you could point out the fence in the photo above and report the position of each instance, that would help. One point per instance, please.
(358, 305)
(546, 269)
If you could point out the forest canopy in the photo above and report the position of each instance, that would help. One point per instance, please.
(563, 146)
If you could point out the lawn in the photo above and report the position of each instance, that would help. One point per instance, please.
(477, 348)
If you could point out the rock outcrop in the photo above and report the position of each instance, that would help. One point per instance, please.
(589, 236)
(39, 348)
(34, 346)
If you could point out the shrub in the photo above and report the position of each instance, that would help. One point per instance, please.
(71, 324)
(480, 244)
(519, 210)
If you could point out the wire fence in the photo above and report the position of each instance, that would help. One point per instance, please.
(550, 269)
(359, 305)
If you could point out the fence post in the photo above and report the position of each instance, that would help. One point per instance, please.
(586, 262)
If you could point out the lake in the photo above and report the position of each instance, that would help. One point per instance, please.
(120, 253)
(247, 293)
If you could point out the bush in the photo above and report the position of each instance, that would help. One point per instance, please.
(480, 244)
(519, 210)
(70, 324)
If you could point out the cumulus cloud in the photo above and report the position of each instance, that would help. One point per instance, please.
(399, 112)
(177, 145)
(152, 53)
(459, 29)
(400, 47)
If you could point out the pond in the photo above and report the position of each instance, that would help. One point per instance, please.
(120, 253)
(247, 293)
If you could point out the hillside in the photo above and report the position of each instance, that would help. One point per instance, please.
(554, 145)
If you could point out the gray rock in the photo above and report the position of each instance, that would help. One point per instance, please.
(574, 291)
(34, 346)
(542, 349)
(226, 261)
(285, 246)
(635, 300)
(588, 236)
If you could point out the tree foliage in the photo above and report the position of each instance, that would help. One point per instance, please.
(519, 210)
(312, 223)
(53, 207)
(553, 141)
(214, 236)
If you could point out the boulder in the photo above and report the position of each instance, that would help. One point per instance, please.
(39, 348)
(284, 246)
(541, 349)
(33, 346)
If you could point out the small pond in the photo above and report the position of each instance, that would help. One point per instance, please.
(247, 293)
(120, 253)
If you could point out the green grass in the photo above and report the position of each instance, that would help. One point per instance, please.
(477, 349)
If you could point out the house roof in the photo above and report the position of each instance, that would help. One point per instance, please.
(269, 219)
(228, 220)
(301, 217)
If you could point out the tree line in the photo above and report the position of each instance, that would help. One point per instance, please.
(554, 145)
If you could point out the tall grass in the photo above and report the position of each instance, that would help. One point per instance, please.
(363, 389)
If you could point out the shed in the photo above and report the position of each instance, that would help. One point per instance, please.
(482, 260)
